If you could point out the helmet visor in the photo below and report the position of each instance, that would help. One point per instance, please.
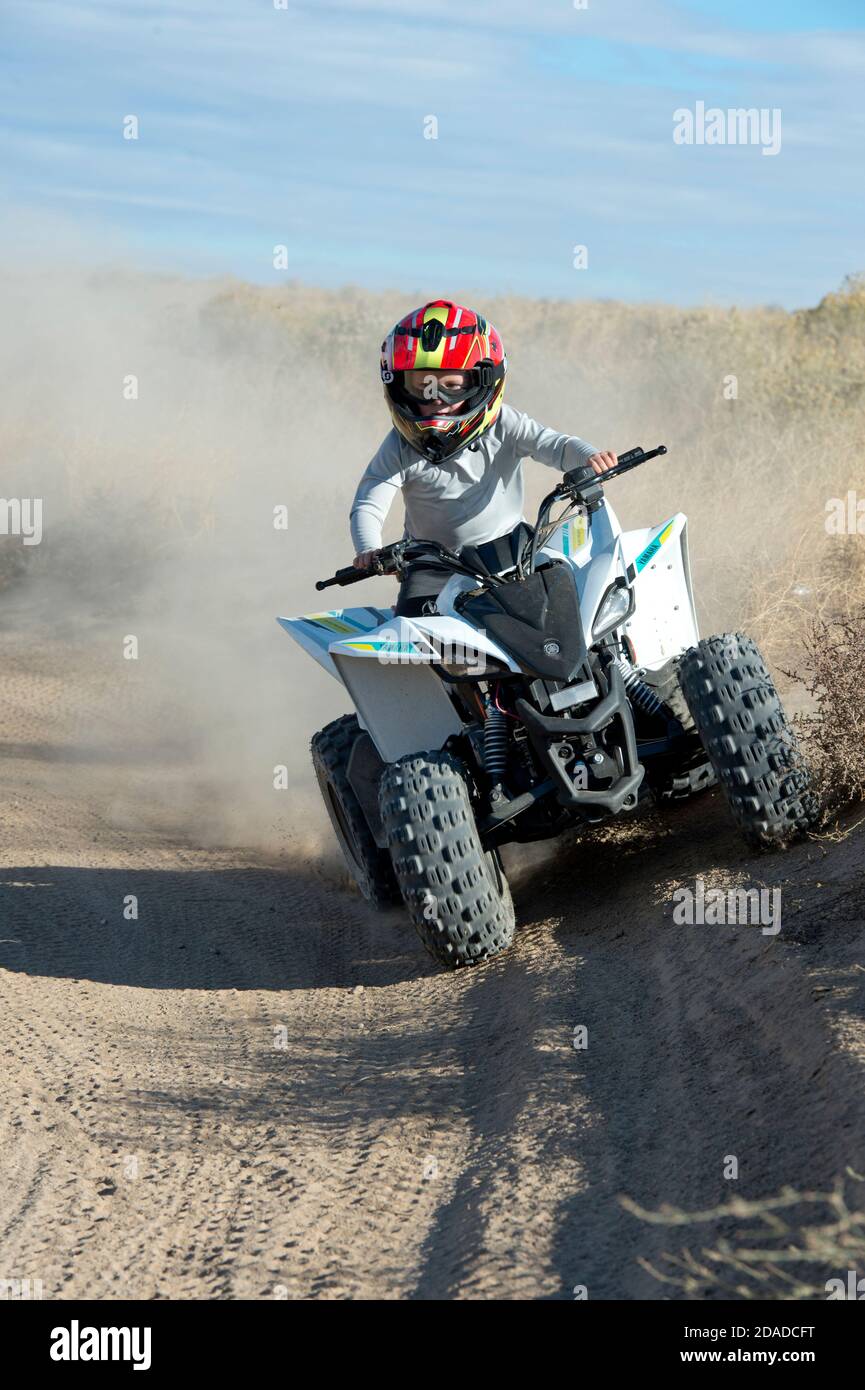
(440, 392)
(444, 385)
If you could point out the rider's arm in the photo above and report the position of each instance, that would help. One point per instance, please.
(531, 440)
(374, 497)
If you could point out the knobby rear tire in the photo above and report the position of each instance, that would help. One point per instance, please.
(744, 729)
(369, 866)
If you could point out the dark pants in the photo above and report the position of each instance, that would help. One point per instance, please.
(421, 584)
(424, 582)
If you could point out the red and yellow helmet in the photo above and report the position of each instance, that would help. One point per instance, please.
(447, 357)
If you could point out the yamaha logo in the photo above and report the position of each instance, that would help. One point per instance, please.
(552, 648)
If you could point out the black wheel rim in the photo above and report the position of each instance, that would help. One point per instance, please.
(343, 829)
(494, 869)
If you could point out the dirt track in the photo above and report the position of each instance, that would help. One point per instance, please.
(419, 1134)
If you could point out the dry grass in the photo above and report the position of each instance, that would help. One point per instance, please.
(784, 1247)
(833, 730)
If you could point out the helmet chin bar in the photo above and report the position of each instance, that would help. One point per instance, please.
(438, 445)
(434, 448)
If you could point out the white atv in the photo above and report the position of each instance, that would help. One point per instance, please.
(554, 690)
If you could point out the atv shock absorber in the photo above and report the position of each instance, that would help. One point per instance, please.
(639, 693)
(495, 743)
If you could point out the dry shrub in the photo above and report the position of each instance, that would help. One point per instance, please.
(833, 730)
(814, 580)
(792, 1245)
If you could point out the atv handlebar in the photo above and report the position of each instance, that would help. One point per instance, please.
(578, 477)
(352, 574)
(633, 458)
(392, 559)
(579, 485)
(386, 561)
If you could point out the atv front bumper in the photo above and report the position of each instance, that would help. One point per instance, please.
(550, 735)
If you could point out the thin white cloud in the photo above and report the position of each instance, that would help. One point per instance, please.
(307, 123)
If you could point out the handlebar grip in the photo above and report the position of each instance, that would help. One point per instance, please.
(631, 456)
(349, 575)
(632, 459)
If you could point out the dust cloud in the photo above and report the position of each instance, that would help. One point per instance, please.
(162, 421)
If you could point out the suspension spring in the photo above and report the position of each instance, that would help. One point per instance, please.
(495, 743)
(639, 693)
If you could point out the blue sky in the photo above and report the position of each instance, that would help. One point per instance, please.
(304, 126)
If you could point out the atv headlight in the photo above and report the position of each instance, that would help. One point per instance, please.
(616, 606)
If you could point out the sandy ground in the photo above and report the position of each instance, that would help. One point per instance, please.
(262, 1088)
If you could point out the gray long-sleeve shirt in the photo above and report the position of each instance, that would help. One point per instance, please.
(470, 498)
